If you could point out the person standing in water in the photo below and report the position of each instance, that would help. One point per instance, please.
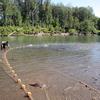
(4, 45)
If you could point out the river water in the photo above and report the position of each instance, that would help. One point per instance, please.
(56, 62)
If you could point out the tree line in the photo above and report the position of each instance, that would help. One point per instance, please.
(33, 16)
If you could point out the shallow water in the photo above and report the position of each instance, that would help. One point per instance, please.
(58, 65)
(77, 60)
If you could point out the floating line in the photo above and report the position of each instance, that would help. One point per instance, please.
(14, 75)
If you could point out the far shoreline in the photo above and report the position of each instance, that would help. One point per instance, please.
(40, 34)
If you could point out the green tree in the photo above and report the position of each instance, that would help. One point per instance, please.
(43, 15)
(98, 24)
(87, 26)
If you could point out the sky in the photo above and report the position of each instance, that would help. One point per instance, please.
(95, 4)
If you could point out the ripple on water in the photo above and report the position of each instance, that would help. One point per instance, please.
(53, 64)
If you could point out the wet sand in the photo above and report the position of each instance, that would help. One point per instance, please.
(54, 67)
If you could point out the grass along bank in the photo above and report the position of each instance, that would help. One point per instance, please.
(41, 31)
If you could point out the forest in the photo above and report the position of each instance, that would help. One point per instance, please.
(35, 16)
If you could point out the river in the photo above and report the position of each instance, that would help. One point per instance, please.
(56, 62)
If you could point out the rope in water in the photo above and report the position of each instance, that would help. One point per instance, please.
(15, 76)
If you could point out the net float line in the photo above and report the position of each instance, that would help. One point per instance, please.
(14, 75)
(44, 87)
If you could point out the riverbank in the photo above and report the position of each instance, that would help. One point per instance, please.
(40, 34)
(41, 31)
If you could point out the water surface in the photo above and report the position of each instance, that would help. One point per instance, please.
(52, 60)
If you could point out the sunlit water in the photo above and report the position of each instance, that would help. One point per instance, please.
(51, 60)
